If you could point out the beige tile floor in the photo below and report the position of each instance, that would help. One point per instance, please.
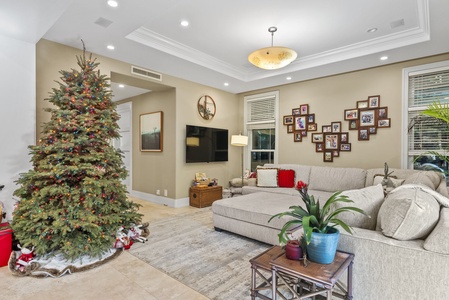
(125, 277)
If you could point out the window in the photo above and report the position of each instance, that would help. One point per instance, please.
(422, 86)
(261, 126)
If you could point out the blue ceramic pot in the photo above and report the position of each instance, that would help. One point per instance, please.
(323, 246)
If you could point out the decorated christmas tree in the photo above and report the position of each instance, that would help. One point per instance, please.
(73, 201)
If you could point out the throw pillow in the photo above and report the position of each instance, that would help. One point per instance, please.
(429, 179)
(369, 199)
(408, 214)
(286, 178)
(267, 177)
(437, 240)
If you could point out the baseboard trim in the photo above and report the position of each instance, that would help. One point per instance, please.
(182, 202)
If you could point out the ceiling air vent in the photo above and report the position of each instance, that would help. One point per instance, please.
(146, 73)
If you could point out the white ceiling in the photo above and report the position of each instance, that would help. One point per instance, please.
(330, 36)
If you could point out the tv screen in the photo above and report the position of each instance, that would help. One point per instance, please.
(205, 144)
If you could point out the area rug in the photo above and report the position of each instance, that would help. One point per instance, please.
(187, 248)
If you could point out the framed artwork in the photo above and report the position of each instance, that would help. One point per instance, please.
(367, 118)
(296, 111)
(335, 153)
(353, 124)
(373, 101)
(288, 120)
(289, 128)
(151, 131)
(363, 134)
(382, 123)
(312, 127)
(319, 147)
(206, 107)
(351, 114)
(304, 133)
(336, 126)
(300, 122)
(382, 112)
(331, 141)
(311, 118)
(362, 104)
(344, 137)
(327, 156)
(326, 128)
(345, 147)
(317, 138)
(304, 108)
(297, 137)
(372, 130)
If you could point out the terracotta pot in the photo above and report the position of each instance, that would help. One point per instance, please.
(293, 250)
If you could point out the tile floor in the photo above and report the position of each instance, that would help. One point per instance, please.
(125, 277)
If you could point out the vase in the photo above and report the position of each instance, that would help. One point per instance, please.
(293, 250)
(323, 246)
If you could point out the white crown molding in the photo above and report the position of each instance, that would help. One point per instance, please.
(419, 34)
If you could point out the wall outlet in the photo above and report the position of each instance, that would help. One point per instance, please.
(165, 193)
(158, 192)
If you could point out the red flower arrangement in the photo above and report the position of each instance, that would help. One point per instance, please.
(301, 186)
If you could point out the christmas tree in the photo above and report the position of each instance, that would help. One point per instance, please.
(73, 200)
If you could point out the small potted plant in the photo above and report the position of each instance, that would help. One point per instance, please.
(318, 223)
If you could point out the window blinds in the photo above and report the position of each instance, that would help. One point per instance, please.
(261, 110)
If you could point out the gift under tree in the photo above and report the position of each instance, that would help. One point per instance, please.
(73, 201)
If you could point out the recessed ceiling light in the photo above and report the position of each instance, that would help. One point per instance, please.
(112, 3)
(226, 84)
(371, 30)
(110, 47)
(384, 57)
(121, 86)
(288, 78)
(184, 23)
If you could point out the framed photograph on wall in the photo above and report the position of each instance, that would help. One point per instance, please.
(317, 138)
(344, 137)
(336, 126)
(362, 104)
(327, 156)
(326, 128)
(319, 147)
(351, 114)
(335, 153)
(373, 101)
(372, 130)
(367, 118)
(304, 109)
(151, 131)
(382, 112)
(289, 128)
(296, 111)
(345, 147)
(312, 127)
(363, 134)
(382, 123)
(297, 137)
(288, 120)
(300, 122)
(331, 141)
(353, 124)
(311, 118)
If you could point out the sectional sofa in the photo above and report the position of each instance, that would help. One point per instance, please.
(401, 251)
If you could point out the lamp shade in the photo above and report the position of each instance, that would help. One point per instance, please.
(272, 58)
(239, 140)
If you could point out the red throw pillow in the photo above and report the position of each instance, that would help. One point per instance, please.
(286, 178)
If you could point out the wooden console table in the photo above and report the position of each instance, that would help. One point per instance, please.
(204, 196)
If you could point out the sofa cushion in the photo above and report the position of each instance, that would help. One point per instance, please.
(408, 213)
(331, 179)
(438, 239)
(429, 179)
(286, 178)
(369, 199)
(302, 172)
(267, 177)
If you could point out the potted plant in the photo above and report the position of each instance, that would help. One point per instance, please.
(318, 223)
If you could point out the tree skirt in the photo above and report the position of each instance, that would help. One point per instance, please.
(57, 265)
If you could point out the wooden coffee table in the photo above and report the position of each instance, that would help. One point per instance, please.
(275, 271)
(323, 278)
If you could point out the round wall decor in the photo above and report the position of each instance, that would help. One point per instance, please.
(206, 107)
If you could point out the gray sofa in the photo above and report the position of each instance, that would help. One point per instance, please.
(395, 257)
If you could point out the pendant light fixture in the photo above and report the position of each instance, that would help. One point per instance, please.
(271, 58)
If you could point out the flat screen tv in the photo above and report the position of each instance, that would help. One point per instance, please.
(206, 144)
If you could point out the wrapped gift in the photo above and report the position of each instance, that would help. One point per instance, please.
(5, 243)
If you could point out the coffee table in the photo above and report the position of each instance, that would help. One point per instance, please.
(322, 278)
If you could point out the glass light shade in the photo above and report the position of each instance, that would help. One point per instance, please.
(239, 140)
(272, 58)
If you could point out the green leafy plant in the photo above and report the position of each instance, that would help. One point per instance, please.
(314, 217)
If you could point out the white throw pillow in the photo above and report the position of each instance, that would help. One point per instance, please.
(267, 177)
(369, 199)
(437, 241)
(408, 213)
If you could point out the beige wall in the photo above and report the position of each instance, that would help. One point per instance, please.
(177, 98)
(328, 98)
